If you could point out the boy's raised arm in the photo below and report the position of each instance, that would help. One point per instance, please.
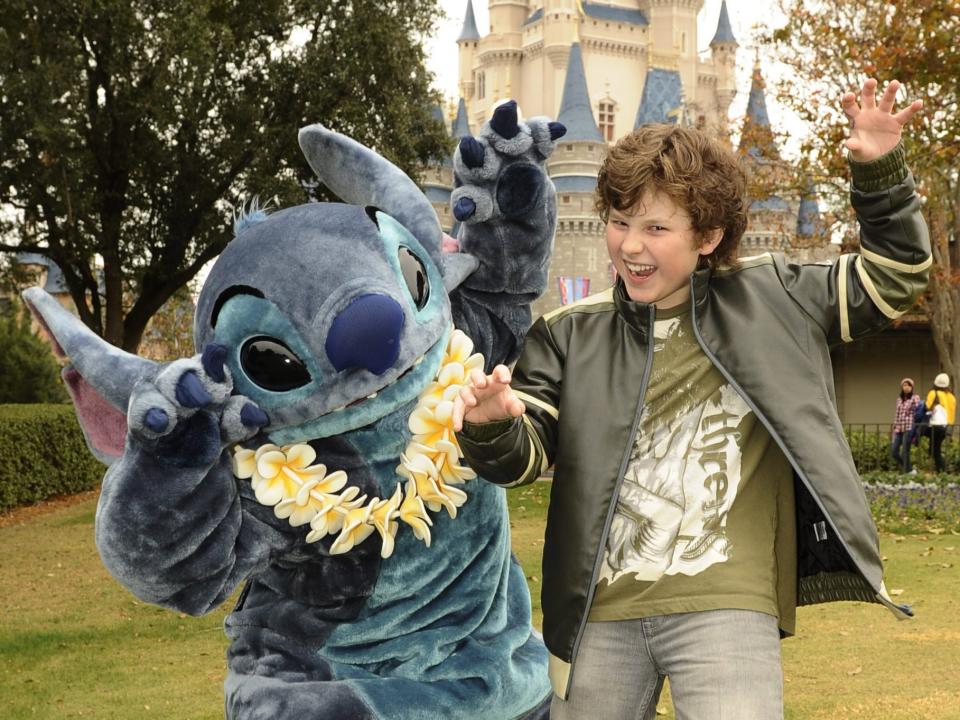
(863, 292)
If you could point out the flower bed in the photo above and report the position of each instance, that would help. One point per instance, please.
(904, 504)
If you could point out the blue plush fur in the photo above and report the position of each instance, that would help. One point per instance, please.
(430, 633)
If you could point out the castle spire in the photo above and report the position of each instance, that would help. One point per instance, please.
(575, 111)
(461, 126)
(469, 31)
(724, 32)
(757, 139)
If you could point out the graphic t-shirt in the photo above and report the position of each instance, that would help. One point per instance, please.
(704, 519)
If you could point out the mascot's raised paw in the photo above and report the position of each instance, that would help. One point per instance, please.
(307, 454)
(499, 173)
(192, 398)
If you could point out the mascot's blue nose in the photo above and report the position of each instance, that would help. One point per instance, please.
(366, 334)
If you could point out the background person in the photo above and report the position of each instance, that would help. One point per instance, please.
(907, 403)
(942, 405)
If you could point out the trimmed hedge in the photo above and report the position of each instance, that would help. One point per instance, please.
(43, 453)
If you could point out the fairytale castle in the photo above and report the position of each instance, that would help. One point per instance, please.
(603, 69)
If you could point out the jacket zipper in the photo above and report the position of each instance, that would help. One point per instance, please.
(749, 401)
(613, 502)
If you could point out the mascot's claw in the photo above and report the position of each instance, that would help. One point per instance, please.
(213, 358)
(504, 120)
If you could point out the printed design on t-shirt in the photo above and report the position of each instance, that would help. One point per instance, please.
(684, 470)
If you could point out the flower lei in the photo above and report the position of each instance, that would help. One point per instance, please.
(286, 478)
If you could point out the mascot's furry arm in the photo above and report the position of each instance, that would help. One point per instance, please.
(326, 359)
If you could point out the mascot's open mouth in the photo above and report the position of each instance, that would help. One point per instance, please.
(375, 393)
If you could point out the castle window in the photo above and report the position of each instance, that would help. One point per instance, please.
(481, 85)
(701, 122)
(606, 120)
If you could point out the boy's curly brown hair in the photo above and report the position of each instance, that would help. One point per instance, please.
(693, 169)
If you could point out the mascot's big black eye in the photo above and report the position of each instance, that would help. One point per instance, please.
(272, 365)
(415, 276)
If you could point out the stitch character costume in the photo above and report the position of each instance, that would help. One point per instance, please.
(306, 453)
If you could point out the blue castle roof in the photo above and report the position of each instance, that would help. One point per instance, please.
(662, 99)
(469, 31)
(724, 32)
(461, 126)
(614, 14)
(756, 124)
(575, 112)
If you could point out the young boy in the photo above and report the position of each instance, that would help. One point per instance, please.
(702, 485)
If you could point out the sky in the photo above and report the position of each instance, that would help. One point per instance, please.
(745, 17)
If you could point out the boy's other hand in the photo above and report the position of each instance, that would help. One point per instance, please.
(874, 128)
(487, 398)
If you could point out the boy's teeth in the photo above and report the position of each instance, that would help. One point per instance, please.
(640, 268)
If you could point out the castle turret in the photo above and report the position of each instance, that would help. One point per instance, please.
(561, 25)
(673, 36)
(723, 51)
(756, 138)
(771, 221)
(467, 44)
(578, 259)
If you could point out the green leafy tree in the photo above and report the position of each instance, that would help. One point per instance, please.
(131, 130)
(835, 45)
(28, 372)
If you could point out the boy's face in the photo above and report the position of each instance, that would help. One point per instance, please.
(654, 249)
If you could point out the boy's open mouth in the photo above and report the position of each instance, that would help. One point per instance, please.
(639, 271)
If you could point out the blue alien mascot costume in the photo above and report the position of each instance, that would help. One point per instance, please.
(306, 454)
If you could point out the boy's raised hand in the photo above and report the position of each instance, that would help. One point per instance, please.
(486, 398)
(874, 128)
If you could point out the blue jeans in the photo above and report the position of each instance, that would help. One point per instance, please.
(722, 665)
(901, 449)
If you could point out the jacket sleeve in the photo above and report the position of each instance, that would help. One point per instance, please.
(516, 452)
(861, 293)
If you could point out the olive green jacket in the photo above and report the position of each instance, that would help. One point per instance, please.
(768, 326)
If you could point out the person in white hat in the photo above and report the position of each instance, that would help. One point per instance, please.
(942, 405)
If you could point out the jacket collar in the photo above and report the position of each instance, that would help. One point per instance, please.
(639, 315)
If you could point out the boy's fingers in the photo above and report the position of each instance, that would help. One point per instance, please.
(906, 115)
(457, 415)
(501, 373)
(516, 408)
(849, 104)
(478, 379)
(889, 96)
(868, 94)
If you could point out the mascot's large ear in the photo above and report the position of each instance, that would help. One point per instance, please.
(361, 177)
(99, 376)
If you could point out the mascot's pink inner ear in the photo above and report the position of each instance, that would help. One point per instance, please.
(104, 425)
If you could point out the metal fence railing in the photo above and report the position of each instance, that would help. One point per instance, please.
(871, 445)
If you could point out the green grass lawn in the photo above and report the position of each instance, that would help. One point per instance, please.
(73, 643)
